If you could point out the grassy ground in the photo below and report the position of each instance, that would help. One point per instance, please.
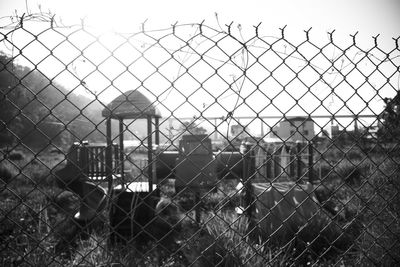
(360, 194)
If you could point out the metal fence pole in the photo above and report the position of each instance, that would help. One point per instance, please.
(298, 161)
(121, 151)
(246, 179)
(150, 152)
(310, 163)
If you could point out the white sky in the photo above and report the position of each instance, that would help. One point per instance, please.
(368, 17)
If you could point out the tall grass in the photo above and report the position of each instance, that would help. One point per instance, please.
(230, 233)
(364, 193)
(7, 171)
(379, 241)
(29, 168)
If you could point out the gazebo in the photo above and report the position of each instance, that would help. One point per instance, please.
(132, 105)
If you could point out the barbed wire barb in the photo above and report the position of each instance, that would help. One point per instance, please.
(174, 27)
(228, 26)
(256, 27)
(376, 39)
(331, 35)
(307, 33)
(21, 21)
(83, 23)
(52, 21)
(143, 23)
(201, 27)
(396, 42)
(354, 37)
(283, 31)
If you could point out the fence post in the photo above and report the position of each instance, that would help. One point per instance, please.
(246, 150)
(150, 152)
(310, 163)
(269, 159)
(84, 159)
(157, 130)
(121, 151)
(292, 163)
(298, 161)
(94, 160)
(276, 168)
(109, 154)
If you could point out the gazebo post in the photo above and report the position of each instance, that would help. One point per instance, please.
(150, 152)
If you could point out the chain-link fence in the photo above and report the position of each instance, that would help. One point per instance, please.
(196, 146)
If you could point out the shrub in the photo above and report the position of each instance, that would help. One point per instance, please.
(7, 171)
(16, 155)
(345, 171)
(370, 211)
(354, 154)
(349, 172)
(380, 241)
(5, 174)
(229, 238)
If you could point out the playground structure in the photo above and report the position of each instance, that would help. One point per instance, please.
(194, 166)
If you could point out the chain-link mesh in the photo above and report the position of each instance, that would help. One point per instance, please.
(196, 146)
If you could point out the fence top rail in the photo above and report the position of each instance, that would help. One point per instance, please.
(280, 117)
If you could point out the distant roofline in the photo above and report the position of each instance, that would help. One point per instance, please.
(298, 118)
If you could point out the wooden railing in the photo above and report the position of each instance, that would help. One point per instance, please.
(92, 159)
(94, 163)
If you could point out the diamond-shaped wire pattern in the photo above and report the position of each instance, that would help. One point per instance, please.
(193, 146)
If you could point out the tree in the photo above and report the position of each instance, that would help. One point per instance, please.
(389, 130)
(191, 128)
(35, 110)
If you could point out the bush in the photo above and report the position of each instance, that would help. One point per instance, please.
(5, 174)
(16, 155)
(7, 171)
(350, 173)
(380, 241)
(232, 245)
(365, 201)
(345, 171)
(335, 154)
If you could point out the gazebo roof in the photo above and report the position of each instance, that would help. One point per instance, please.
(131, 105)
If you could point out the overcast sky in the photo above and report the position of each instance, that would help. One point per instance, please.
(369, 17)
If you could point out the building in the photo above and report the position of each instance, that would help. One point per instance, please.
(294, 129)
(335, 131)
(238, 131)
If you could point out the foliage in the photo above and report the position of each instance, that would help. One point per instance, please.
(363, 197)
(380, 239)
(7, 172)
(16, 155)
(37, 228)
(35, 109)
(229, 232)
(389, 131)
(191, 128)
